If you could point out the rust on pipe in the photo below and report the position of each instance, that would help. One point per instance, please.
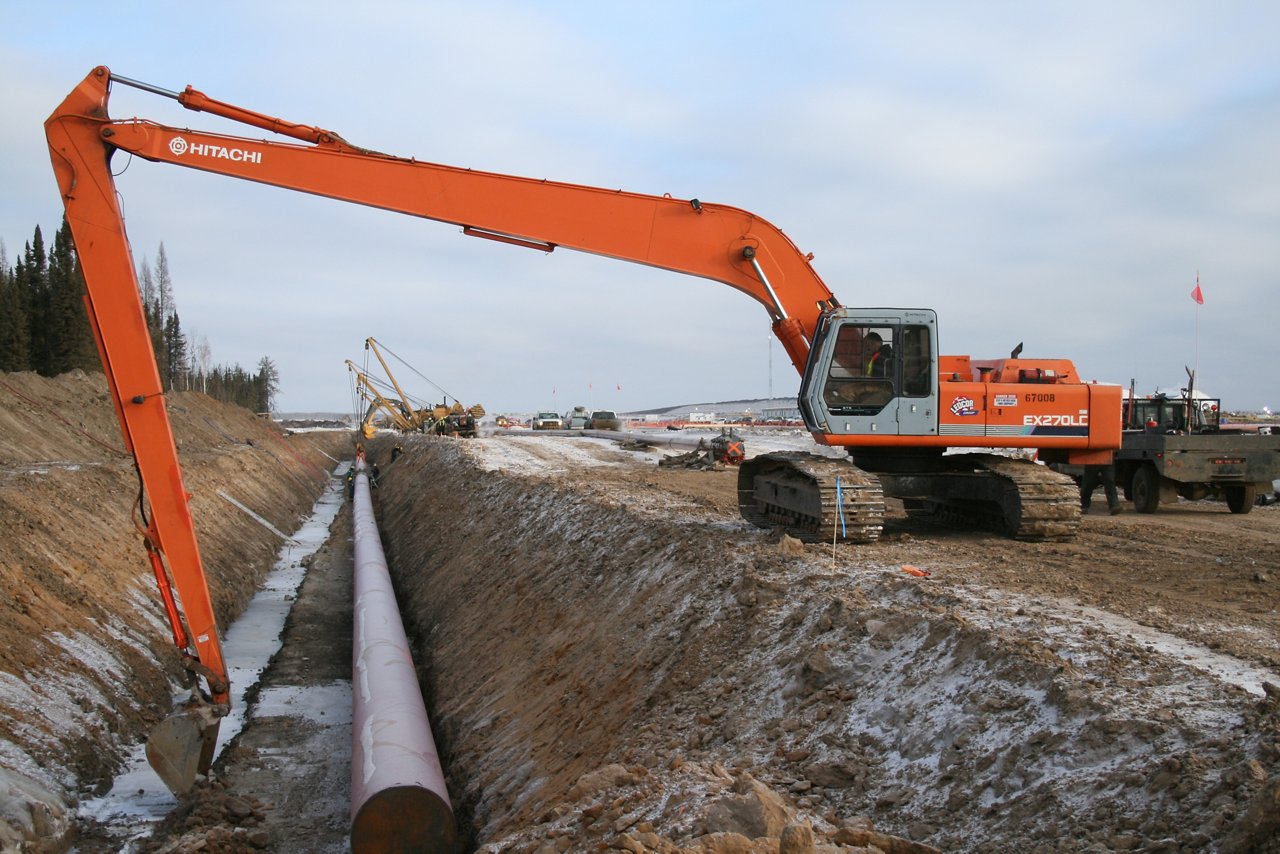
(398, 797)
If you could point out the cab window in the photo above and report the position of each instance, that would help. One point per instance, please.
(864, 372)
(917, 364)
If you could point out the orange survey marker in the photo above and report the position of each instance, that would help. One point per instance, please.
(916, 571)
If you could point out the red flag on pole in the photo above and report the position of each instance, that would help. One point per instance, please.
(1197, 295)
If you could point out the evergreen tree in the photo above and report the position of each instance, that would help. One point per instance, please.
(71, 339)
(176, 355)
(267, 383)
(33, 280)
(44, 326)
(14, 334)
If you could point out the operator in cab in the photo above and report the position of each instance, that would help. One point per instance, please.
(875, 355)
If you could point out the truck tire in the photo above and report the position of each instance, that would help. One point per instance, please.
(1146, 489)
(1240, 498)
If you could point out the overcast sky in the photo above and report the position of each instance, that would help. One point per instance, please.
(1052, 173)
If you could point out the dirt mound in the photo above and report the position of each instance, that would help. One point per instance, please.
(85, 660)
(614, 659)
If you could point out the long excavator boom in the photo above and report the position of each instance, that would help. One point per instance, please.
(717, 242)
(895, 408)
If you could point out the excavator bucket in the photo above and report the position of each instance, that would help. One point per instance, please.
(180, 747)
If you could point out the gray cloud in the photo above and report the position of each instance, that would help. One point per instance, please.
(1049, 174)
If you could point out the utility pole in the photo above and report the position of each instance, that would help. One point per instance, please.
(770, 342)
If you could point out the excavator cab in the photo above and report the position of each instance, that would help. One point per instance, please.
(872, 371)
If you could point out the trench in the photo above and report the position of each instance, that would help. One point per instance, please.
(607, 665)
(597, 667)
(137, 799)
(88, 661)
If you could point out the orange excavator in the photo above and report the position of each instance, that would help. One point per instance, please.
(873, 380)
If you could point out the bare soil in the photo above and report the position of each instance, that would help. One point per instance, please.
(613, 659)
(86, 663)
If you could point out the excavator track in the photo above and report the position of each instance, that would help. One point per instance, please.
(812, 498)
(1049, 502)
(1016, 497)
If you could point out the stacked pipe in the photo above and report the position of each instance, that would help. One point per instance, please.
(398, 797)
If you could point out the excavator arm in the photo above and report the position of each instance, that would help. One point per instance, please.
(182, 745)
(711, 241)
(716, 242)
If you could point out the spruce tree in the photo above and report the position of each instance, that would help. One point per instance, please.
(176, 353)
(71, 339)
(14, 334)
(266, 383)
(33, 281)
(44, 326)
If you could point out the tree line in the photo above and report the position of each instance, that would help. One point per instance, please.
(44, 326)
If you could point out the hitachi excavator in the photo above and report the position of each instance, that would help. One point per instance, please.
(873, 381)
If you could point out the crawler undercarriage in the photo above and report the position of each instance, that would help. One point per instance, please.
(819, 499)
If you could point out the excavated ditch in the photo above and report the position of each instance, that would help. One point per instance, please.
(86, 659)
(613, 659)
(615, 666)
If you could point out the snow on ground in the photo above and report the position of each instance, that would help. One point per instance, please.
(137, 798)
(538, 455)
(957, 709)
(561, 452)
(1073, 618)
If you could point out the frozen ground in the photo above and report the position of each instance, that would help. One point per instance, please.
(614, 659)
(137, 798)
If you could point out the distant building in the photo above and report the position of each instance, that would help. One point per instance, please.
(789, 412)
(766, 409)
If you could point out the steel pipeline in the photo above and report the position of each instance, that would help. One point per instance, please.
(398, 797)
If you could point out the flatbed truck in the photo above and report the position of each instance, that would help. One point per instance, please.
(1177, 446)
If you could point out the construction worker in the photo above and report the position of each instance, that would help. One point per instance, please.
(1089, 482)
(875, 355)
